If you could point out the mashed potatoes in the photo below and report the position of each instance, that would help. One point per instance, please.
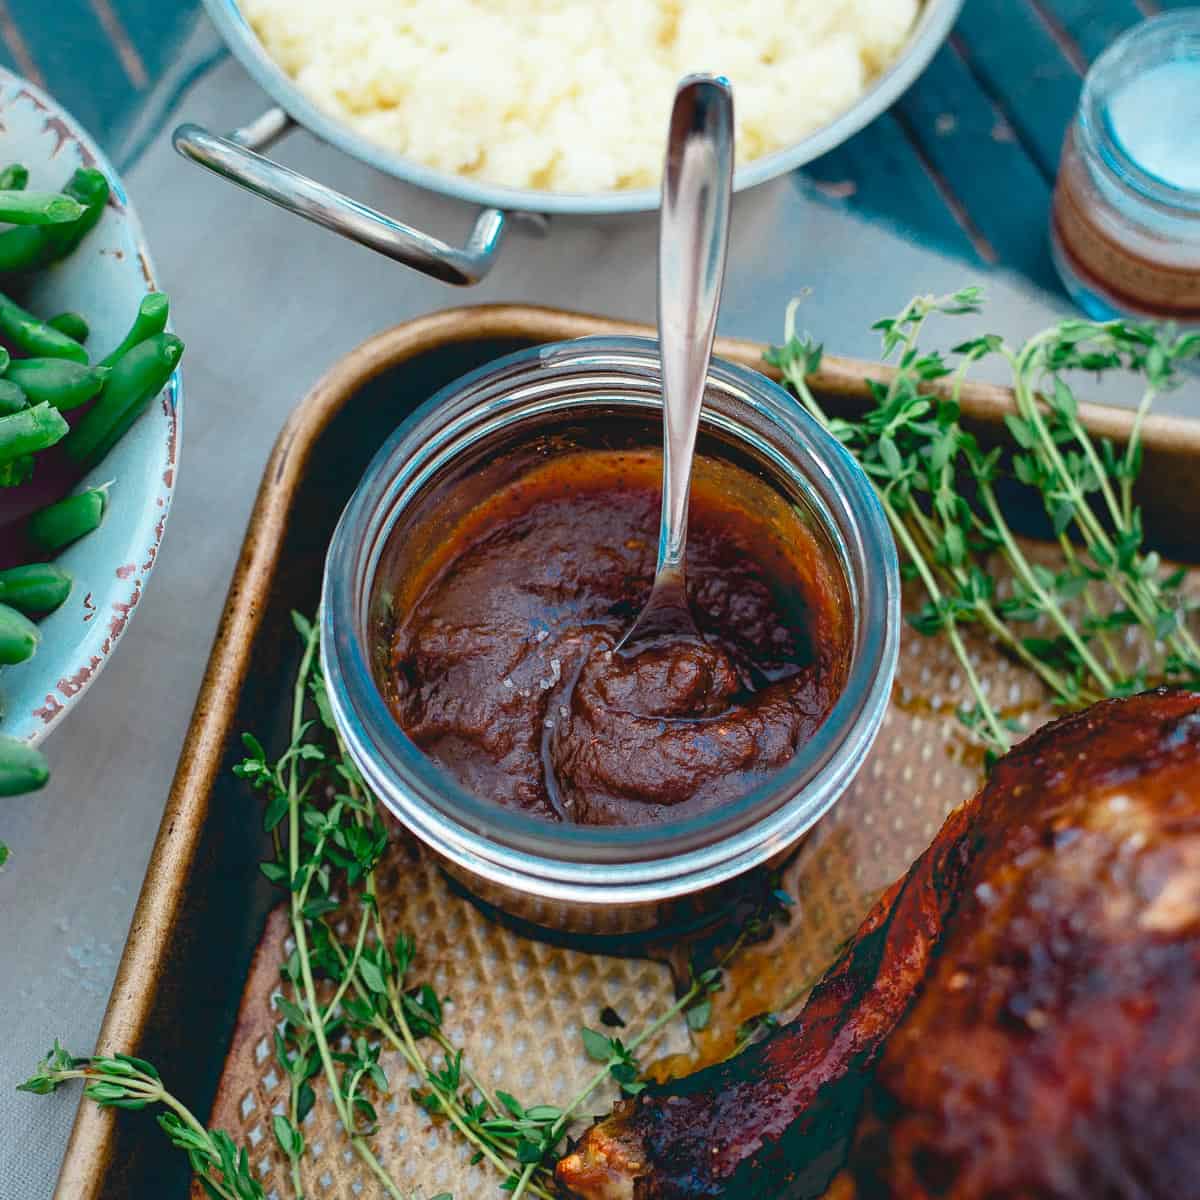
(573, 95)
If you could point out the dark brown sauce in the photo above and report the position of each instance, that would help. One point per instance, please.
(501, 659)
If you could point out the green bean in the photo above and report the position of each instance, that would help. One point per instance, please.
(72, 324)
(35, 588)
(28, 247)
(19, 636)
(56, 381)
(23, 768)
(38, 208)
(90, 188)
(23, 331)
(30, 430)
(25, 248)
(151, 319)
(14, 177)
(136, 378)
(66, 521)
(12, 399)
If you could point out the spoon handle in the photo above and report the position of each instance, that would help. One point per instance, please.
(693, 240)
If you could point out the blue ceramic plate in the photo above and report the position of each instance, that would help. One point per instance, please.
(104, 280)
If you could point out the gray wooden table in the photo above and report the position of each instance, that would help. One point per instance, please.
(266, 302)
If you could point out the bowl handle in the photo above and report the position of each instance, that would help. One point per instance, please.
(236, 158)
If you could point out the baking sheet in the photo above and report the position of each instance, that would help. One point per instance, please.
(190, 984)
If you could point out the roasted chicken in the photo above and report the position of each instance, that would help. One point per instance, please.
(1018, 1018)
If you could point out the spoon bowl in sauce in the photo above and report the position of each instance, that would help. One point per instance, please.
(693, 243)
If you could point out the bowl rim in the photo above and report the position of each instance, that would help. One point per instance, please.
(115, 606)
(930, 30)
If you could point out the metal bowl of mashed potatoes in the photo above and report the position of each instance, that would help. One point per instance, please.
(311, 92)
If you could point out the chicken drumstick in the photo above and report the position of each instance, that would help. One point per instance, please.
(1018, 1017)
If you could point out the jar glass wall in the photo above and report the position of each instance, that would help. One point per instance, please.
(462, 445)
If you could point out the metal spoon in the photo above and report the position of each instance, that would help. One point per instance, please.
(693, 237)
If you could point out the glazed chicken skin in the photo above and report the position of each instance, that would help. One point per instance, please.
(1017, 1019)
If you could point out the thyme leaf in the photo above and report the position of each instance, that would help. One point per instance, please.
(343, 998)
(940, 492)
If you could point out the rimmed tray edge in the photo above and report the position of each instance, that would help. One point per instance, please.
(132, 1000)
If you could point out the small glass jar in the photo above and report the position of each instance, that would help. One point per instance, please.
(1125, 227)
(472, 438)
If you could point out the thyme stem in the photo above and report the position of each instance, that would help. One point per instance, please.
(300, 933)
(916, 453)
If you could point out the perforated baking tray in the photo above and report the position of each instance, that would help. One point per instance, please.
(192, 991)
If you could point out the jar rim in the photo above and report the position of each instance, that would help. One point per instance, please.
(605, 864)
(1105, 147)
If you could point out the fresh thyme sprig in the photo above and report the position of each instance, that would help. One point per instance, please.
(939, 491)
(335, 834)
(121, 1081)
(618, 1061)
(346, 996)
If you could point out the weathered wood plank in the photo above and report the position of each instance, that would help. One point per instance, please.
(156, 28)
(1092, 27)
(1013, 54)
(6, 56)
(962, 164)
(879, 174)
(973, 149)
(76, 58)
(14, 53)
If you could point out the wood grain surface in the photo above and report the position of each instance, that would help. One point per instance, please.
(964, 162)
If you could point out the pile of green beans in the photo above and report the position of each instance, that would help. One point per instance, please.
(46, 370)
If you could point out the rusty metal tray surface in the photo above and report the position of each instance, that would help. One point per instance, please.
(192, 991)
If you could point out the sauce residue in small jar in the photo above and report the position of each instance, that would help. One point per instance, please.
(502, 667)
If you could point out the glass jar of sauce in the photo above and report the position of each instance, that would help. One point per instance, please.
(469, 444)
(1125, 227)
